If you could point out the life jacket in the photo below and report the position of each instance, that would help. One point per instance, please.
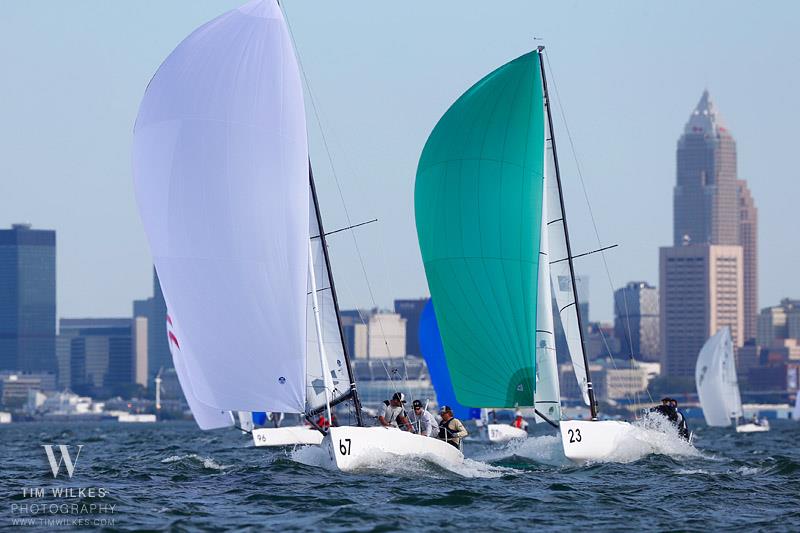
(445, 430)
(518, 422)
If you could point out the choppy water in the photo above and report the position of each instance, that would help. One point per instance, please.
(173, 476)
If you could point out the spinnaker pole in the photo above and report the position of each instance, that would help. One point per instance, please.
(589, 389)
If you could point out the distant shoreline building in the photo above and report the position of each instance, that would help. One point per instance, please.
(636, 320)
(701, 292)
(28, 299)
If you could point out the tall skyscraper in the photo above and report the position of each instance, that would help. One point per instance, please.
(748, 239)
(28, 299)
(711, 205)
(636, 320)
(701, 292)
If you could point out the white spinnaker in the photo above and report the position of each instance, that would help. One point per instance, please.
(331, 336)
(205, 416)
(559, 270)
(546, 397)
(220, 163)
(715, 377)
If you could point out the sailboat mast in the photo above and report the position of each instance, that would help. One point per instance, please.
(589, 389)
(324, 243)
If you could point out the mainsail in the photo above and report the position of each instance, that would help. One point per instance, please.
(715, 376)
(478, 200)
(340, 378)
(547, 398)
(205, 416)
(560, 272)
(220, 163)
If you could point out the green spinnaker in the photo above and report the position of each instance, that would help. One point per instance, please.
(478, 204)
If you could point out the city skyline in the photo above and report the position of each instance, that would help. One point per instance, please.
(84, 128)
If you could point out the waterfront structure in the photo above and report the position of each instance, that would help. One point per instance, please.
(701, 291)
(28, 299)
(374, 334)
(780, 321)
(636, 320)
(379, 379)
(411, 311)
(713, 206)
(16, 387)
(386, 336)
(99, 352)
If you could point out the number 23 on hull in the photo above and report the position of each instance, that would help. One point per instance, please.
(591, 440)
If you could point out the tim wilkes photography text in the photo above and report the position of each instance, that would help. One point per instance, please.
(60, 505)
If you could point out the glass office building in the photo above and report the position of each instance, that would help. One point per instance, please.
(28, 299)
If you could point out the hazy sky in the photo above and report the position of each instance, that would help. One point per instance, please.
(627, 73)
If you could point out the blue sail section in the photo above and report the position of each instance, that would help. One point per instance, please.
(432, 350)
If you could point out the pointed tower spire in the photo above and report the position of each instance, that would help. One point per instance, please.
(704, 119)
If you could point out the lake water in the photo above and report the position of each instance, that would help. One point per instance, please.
(173, 476)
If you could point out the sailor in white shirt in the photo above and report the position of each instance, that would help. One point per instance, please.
(393, 414)
(423, 421)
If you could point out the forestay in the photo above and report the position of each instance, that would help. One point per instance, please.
(205, 416)
(478, 199)
(331, 336)
(220, 163)
(715, 376)
(560, 272)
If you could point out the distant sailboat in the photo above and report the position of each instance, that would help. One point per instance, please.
(484, 229)
(227, 198)
(717, 386)
(796, 410)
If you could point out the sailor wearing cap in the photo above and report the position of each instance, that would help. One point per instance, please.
(394, 415)
(451, 430)
(423, 421)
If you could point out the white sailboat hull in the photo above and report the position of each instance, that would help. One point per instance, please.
(500, 433)
(752, 428)
(350, 448)
(288, 436)
(591, 440)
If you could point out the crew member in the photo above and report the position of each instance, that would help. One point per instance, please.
(451, 430)
(519, 422)
(683, 427)
(423, 421)
(394, 415)
(666, 410)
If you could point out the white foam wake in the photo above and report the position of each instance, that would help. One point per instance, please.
(652, 435)
(207, 462)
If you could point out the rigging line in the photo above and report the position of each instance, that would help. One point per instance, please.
(586, 197)
(345, 229)
(313, 101)
(585, 253)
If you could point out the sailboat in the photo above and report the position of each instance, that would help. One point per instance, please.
(226, 195)
(491, 222)
(717, 386)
